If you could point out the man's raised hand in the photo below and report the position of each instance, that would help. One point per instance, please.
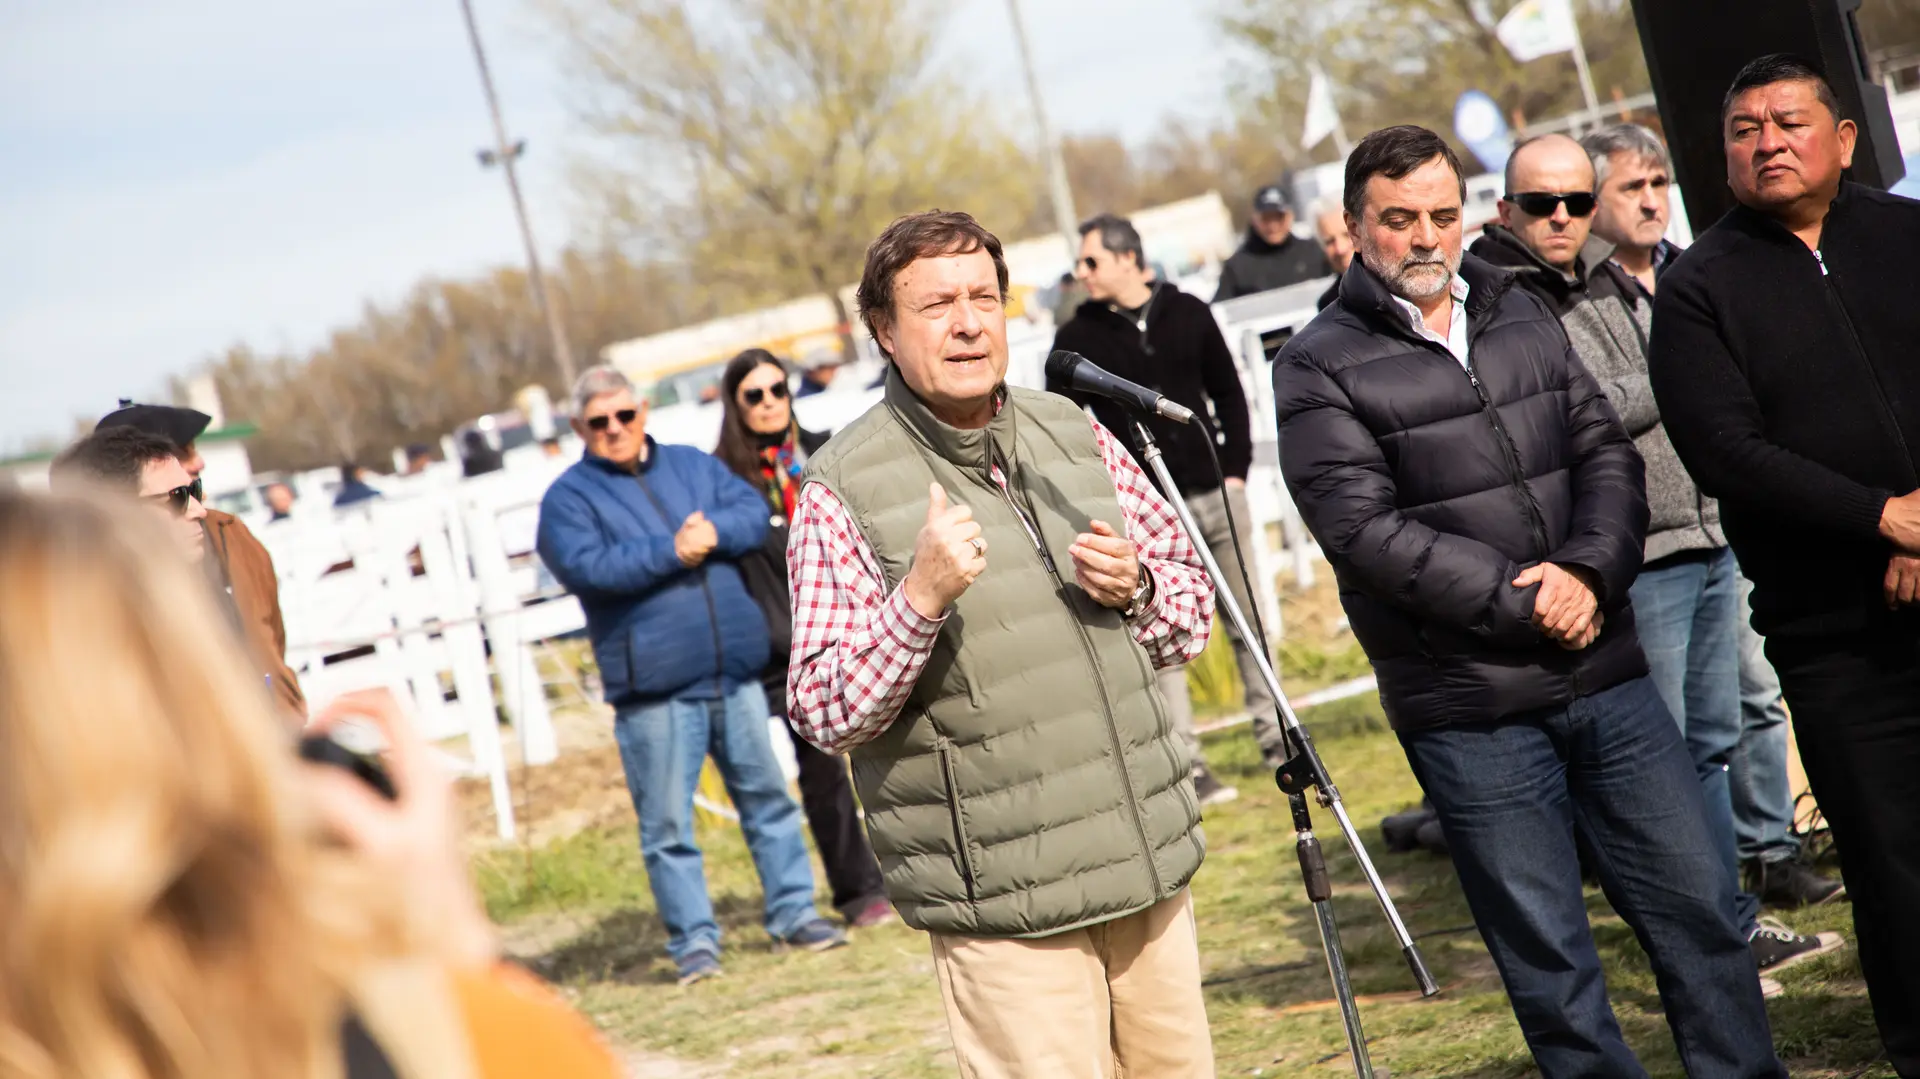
(947, 557)
(1106, 565)
(695, 540)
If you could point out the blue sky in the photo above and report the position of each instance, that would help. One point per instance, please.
(178, 177)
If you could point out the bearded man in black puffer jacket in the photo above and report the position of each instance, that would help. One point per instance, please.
(1484, 511)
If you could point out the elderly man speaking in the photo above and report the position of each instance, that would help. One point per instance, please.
(983, 582)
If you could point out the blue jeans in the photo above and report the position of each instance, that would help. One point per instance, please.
(1762, 794)
(1686, 610)
(1511, 795)
(662, 747)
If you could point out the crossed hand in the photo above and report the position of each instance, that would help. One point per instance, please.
(1565, 608)
(695, 540)
(1900, 522)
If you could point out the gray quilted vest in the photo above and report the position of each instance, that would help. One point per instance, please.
(1032, 783)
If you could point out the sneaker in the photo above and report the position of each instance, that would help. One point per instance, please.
(1790, 883)
(876, 911)
(698, 966)
(1209, 790)
(1775, 947)
(818, 935)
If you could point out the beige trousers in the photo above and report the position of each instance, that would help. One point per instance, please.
(1117, 1000)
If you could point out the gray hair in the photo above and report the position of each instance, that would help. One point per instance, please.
(1635, 139)
(594, 381)
(1117, 235)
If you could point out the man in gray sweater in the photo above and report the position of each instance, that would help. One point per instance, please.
(1632, 186)
(1686, 602)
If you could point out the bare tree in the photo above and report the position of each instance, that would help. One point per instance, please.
(1407, 61)
(762, 144)
(447, 352)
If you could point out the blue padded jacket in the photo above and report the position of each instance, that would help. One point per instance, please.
(660, 631)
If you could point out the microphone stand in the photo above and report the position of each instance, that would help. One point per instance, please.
(1302, 771)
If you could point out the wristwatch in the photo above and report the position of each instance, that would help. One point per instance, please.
(1142, 597)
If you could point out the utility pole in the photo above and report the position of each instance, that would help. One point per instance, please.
(1056, 165)
(504, 154)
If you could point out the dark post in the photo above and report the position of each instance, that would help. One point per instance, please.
(1695, 47)
(505, 153)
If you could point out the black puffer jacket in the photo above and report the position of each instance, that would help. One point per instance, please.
(1430, 490)
(1260, 266)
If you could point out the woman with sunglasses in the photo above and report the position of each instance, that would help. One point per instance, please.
(762, 443)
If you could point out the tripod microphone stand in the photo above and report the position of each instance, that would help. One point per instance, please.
(1302, 771)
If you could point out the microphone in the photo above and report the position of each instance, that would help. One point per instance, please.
(1082, 374)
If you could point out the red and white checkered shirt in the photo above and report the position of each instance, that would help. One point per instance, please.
(858, 649)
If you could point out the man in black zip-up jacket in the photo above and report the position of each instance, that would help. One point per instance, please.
(1783, 359)
(1485, 512)
(1152, 333)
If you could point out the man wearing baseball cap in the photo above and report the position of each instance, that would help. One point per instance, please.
(242, 565)
(1271, 256)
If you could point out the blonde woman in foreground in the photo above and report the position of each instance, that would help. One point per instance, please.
(181, 897)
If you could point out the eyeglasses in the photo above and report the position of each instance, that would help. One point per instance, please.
(1543, 203)
(1090, 262)
(176, 499)
(756, 395)
(626, 416)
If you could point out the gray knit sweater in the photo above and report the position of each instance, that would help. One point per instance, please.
(1608, 318)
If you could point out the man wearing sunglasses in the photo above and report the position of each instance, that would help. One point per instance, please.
(1152, 333)
(245, 572)
(126, 459)
(648, 537)
(1686, 599)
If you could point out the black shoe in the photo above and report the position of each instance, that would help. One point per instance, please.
(1775, 947)
(818, 935)
(1431, 839)
(1211, 791)
(1790, 883)
(1402, 830)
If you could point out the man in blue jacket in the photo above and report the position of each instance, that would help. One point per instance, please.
(646, 536)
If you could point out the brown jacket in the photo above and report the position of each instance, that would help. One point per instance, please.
(256, 593)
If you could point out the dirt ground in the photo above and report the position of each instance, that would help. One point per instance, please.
(583, 788)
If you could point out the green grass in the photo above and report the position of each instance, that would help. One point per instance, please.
(873, 1009)
(1304, 665)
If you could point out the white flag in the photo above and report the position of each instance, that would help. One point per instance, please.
(1536, 28)
(1322, 119)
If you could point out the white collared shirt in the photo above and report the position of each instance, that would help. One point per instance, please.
(1456, 339)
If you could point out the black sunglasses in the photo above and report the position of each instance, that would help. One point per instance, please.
(1543, 203)
(176, 499)
(1091, 262)
(756, 395)
(626, 416)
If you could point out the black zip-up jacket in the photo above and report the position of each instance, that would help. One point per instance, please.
(1181, 355)
(1430, 488)
(1790, 384)
(1260, 266)
(765, 573)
